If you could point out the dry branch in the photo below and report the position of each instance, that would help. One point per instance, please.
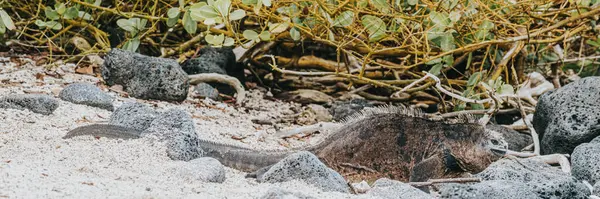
(224, 79)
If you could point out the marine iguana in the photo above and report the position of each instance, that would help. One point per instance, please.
(392, 142)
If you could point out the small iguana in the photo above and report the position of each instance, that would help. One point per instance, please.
(392, 142)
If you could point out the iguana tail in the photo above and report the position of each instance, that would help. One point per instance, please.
(104, 130)
(241, 158)
(237, 157)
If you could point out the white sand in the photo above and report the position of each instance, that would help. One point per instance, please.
(35, 162)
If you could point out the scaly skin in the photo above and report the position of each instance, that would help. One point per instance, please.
(390, 142)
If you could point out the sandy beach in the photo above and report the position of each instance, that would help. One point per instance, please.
(35, 162)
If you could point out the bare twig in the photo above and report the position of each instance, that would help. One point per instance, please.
(359, 167)
(477, 112)
(444, 180)
(560, 159)
(224, 79)
(308, 129)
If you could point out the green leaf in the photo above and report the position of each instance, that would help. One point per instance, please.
(132, 44)
(171, 22)
(189, 24)
(51, 13)
(265, 36)
(278, 27)
(382, 5)
(435, 61)
(173, 12)
(436, 69)
(6, 20)
(2, 28)
(60, 8)
(140, 23)
(375, 27)
(448, 60)
(551, 57)
(223, 7)
(84, 15)
(344, 19)
(449, 4)
(97, 2)
(249, 2)
(506, 89)
(210, 21)
(215, 40)
(181, 4)
(237, 14)
(250, 34)
(454, 16)
(289, 10)
(330, 35)
(486, 24)
(295, 34)
(362, 3)
(196, 6)
(126, 25)
(447, 43)
(475, 77)
(54, 25)
(40, 23)
(228, 41)
(266, 3)
(413, 2)
(71, 13)
(211, 2)
(476, 106)
(207, 12)
(439, 19)
(325, 15)
(593, 43)
(257, 6)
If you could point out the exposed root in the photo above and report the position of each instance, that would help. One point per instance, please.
(443, 180)
(477, 112)
(560, 159)
(358, 167)
(308, 129)
(224, 79)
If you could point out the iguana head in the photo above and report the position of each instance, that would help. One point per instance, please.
(486, 146)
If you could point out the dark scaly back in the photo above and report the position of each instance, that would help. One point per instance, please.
(390, 141)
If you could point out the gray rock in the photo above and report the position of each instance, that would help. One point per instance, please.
(507, 169)
(386, 188)
(596, 140)
(216, 60)
(567, 188)
(546, 181)
(279, 193)
(585, 162)
(37, 103)
(205, 90)
(596, 188)
(342, 109)
(202, 169)
(176, 128)
(145, 77)
(321, 113)
(488, 190)
(87, 94)
(306, 96)
(563, 117)
(305, 166)
(516, 141)
(212, 60)
(133, 115)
